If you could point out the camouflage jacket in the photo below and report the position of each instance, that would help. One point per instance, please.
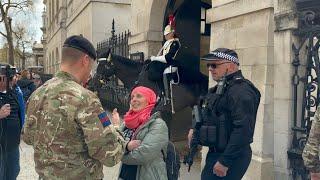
(310, 153)
(63, 123)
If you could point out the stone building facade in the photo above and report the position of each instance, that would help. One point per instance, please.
(91, 18)
(37, 52)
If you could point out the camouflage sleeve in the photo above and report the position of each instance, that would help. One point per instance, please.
(104, 142)
(310, 153)
(30, 127)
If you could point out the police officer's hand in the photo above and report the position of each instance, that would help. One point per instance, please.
(5, 111)
(315, 176)
(115, 117)
(219, 169)
(190, 134)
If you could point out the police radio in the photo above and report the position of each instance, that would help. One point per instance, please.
(221, 85)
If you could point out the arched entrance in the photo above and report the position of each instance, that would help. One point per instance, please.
(149, 17)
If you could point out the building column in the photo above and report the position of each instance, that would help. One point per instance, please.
(286, 22)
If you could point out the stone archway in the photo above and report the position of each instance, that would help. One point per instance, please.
(148, 19)
(146, 27)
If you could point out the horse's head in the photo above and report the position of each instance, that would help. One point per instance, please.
(103, 71)
(105, 67)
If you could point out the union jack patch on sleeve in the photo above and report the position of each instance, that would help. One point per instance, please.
(105, 121)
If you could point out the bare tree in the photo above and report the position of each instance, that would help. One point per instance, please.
(8, 8)
(23, 43)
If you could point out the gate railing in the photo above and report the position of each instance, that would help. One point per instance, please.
(112, 95)
(117, 43)
(304, 106)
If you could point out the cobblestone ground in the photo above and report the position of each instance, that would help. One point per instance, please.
(27, 171)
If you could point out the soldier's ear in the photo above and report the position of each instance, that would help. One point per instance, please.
(85, 60)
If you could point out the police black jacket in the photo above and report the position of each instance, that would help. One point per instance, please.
(239, 104)
(10, 127)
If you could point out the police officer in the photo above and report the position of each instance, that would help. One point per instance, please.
(71, 133)
(229, 118)
(11, 122)
(310, 153)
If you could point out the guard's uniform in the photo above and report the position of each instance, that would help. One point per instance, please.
(164, 59)
(311, 150)
(163, 66)
(168, 52)
(63, 126)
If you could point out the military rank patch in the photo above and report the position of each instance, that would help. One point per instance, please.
(105, 121)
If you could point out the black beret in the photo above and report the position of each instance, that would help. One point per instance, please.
(82, 44)
(222, 53)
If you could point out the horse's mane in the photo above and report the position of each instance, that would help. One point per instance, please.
(126, 61)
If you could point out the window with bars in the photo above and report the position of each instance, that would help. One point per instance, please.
(205, 28)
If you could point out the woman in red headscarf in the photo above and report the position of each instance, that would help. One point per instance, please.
(147, 134)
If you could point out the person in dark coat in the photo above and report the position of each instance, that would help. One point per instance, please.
(229, 117)
(26, 84)
(11, 122)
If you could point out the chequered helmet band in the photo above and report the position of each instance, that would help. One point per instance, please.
(226, 57)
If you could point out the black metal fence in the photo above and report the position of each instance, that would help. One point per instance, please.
(113, 95)
(305, 102)
(118, 44)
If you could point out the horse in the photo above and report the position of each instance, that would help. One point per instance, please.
(133, 73)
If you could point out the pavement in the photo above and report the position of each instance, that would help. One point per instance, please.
(28, 172)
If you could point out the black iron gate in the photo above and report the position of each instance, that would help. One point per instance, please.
(117, 43)
(112, 94)
(304, 106)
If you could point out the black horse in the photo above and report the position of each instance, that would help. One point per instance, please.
(133, 74)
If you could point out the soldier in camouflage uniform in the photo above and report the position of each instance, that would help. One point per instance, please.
(66, 125)
(311, 150)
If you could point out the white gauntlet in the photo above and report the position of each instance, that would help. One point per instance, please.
(158, 58)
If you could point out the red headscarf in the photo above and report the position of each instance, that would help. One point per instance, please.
(134, 119)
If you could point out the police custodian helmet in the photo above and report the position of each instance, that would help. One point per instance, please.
(222, 53)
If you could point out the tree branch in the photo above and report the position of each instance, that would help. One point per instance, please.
(3, 34)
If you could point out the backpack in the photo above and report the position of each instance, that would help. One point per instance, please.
(172, 160)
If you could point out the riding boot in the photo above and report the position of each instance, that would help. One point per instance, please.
(166, 86)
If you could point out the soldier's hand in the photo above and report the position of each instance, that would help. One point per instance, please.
(133, 144)
(190, 136)
(5, 111)
(115, 117)
(220, 170)
(315, 176)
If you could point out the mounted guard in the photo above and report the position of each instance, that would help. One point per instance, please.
(164, 63)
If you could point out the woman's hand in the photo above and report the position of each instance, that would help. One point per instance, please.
(115, 117)
(133, 144)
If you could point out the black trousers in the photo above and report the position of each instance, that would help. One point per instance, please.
(235, 172)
